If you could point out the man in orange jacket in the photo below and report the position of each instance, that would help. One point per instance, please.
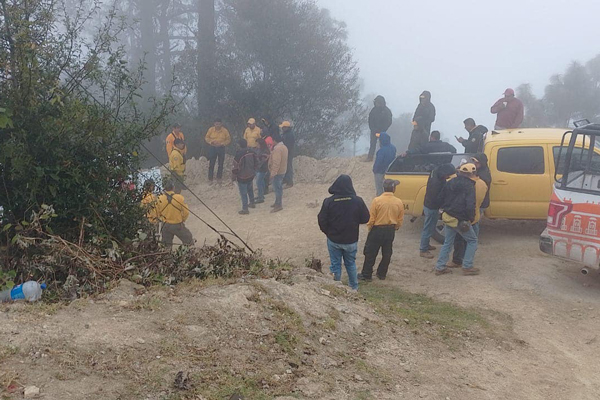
(175, 134)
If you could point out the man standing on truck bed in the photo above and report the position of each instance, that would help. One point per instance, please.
(422, 120)
(510, 111)
(380, 120)
(458, 202)
(474, 142)
(431, 205)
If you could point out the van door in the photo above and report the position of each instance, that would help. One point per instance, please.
(521, 182)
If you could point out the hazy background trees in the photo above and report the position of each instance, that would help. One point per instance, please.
(570, 96)
(236, 59)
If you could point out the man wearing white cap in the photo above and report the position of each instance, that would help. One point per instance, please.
(509, 110)
(252, 133)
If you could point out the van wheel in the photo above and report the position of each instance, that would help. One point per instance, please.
(438, 233)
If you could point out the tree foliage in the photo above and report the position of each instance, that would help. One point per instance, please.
(568, 97)
(75, 124)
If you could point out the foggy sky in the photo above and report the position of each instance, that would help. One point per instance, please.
(466, 52)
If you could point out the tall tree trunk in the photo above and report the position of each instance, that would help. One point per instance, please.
(206, 59)
(167, 67)
(148, 46)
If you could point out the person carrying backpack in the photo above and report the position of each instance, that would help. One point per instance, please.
(173, 212)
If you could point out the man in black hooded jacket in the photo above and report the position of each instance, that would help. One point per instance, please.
(380, 120)
(431, 205)
(422, 120)
(483, 172)
(339, 219)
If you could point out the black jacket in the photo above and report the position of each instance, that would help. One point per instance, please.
(425, 113)
(485, 175)
(435, 184)
(342, 213)
(436, 146)
(290, 142)
(380, 118)
(475, 141)
(458, 198)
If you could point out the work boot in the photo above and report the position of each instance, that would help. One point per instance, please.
(470, 271)
(288, 185)
(381, 278)
(427, 255)
(444, 271)
(431, 248)
(252, 205)
(259, 201)
(452, 264)
(276, 209)
(244, 212)
(361, 277)
(273, 206)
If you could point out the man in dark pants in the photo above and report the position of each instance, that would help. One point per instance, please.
(422, 120)
(218, 139)
(380, 120)
(387, 215)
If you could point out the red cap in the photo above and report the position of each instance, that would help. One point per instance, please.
(509, 92)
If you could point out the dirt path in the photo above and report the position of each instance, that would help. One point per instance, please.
(303, 336)
(555, 309)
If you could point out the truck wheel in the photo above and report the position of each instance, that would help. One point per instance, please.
(438, 233)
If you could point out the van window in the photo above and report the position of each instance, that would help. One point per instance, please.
(521, 160)
(578, 159)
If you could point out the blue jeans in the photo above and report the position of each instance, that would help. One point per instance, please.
(278, 188)
(431, 218)
(246, 193)
(260, 185)
(471, 239)
(348, 253)
(379, 178)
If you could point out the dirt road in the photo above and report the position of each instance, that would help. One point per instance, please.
(555, 309)
(527, 328)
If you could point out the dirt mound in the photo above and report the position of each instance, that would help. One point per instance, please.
(306, 169)
(311, 170)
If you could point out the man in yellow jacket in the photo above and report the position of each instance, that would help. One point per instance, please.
(387, 216)
(217, 138)
(278, 167)
(173, 213)
(252, 133)
(175, 134)
(176, 159)
(149, 201)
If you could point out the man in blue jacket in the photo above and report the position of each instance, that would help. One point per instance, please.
(339, 219)
(385, 156)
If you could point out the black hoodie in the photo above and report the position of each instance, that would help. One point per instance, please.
(484, 173)
(342, 213)
(435, 184)
(425, 113)
(380, 118)
(458, 198)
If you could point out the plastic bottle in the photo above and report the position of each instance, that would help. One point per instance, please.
(30, 291)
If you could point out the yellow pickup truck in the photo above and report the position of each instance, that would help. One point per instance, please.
(522, 163)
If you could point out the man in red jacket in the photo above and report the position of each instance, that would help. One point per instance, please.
(510, 111)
